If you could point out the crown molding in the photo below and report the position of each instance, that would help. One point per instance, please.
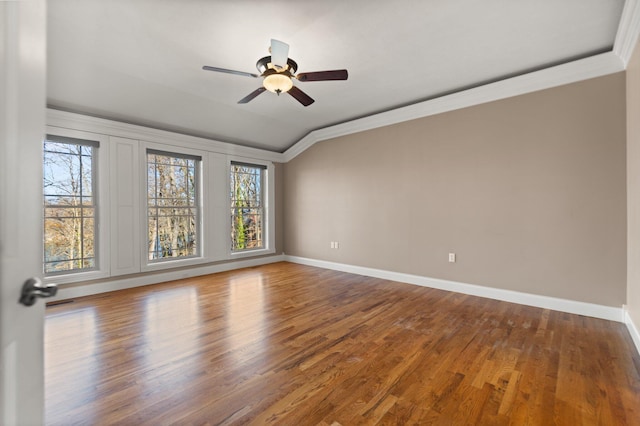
(628, 31)
(583, 69)
(70, 120)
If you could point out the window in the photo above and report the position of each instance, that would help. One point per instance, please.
(69, 205)
(247, 207)
(172, 206)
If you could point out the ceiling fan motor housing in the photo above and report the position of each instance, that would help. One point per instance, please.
(263, 65)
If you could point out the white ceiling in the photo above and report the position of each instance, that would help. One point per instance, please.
(140, 61)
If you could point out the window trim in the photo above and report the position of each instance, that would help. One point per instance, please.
(101, 194)
(94, 145)
(268, 188)
(214, 202)
(202, 221)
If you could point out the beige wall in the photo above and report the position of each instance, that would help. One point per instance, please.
(633, 185)
(529, 192)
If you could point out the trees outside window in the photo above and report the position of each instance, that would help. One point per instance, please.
(172, 206)
(247, 206)
(69, 205)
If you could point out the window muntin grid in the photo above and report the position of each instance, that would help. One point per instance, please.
(172, 206)
(247, 207)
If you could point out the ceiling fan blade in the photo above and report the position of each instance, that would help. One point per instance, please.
(300, 96)
(323, 75)
(279, 53)
(224, 70)
(251, 95)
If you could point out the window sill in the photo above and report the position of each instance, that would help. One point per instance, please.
(172, 264)
(76, 277)
(251, 253)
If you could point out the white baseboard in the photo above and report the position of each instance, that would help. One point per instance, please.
(563, 305)
(556, 304)
(122, 283)
(633, 330)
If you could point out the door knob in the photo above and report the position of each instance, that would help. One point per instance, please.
(33, 288)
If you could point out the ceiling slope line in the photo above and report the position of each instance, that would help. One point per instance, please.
(71, 120)
(571, 72)
(628, 31)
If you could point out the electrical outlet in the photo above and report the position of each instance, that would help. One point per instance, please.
(452, 257)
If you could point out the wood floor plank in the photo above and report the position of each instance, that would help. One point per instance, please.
(290, 344)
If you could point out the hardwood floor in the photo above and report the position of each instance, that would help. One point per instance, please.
(295, 345)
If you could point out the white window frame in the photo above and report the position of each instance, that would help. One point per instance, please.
(202, 224)
(268, 188)
(101, 184)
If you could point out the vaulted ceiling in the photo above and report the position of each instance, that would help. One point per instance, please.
(141, 61)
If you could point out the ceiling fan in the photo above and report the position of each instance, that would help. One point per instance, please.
(278, 72)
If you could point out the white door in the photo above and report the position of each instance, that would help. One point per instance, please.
(22, 123)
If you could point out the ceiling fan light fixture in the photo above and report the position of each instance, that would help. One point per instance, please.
(277, 83)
